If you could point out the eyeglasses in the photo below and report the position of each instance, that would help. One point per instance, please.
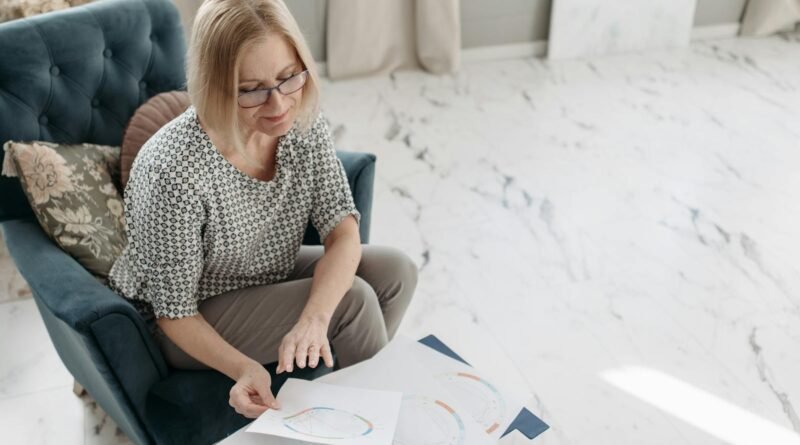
(254, 98)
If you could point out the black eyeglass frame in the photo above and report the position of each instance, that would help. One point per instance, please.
(277, 87)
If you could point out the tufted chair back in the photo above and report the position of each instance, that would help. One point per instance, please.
(78, 75)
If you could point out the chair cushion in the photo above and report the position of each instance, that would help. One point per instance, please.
(145, 122)
(17, 9)
(72, 192)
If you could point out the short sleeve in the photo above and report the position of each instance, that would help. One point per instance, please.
(332, 197)
(165, 218)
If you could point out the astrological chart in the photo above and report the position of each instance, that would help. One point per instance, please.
(484, 402)
(320, 413)
(323, 422)
(426, 421)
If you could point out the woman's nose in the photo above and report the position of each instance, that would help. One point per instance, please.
(275, 102)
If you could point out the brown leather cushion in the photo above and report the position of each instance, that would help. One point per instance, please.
(146, 121)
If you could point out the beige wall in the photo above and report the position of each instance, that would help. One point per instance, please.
(491, 22)
(310, 15)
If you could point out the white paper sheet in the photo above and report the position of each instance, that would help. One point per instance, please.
(478, 348)
(491, 403)
(244, 437)
(429, 415)
(321, 413)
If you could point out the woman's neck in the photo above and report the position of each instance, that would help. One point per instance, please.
(258, 146)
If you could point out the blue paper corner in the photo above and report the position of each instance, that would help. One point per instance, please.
(526, 422)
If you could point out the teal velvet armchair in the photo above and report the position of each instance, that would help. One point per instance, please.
(78, 75)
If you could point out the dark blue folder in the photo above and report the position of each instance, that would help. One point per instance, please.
(526, 422)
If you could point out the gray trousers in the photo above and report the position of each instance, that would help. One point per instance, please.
(255, 319)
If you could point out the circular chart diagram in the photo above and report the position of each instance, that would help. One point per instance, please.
(481, 398)
(425, 421)
(328, 423)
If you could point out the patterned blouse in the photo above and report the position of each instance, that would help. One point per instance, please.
(198, 226)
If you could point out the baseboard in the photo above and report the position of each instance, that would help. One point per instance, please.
(539, 47)
(712, 32)
(483, 53)
(510, 51)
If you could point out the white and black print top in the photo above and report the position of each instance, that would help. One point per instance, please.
(198, 226)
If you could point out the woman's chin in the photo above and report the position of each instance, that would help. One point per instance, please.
(274, 129)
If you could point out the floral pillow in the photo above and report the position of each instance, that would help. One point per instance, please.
(72, 190)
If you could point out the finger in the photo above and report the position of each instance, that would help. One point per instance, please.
(264, 391)
(301, 353)
(287, 356)
(253, 410)
(242, 404)
(279, 368)
(326, 355)
(236, 394)
(313, 356)
(283, 362)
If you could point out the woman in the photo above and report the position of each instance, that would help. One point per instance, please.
(217, 204)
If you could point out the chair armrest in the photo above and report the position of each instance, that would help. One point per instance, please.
(360, 170)
(63, 286)
(102, 340)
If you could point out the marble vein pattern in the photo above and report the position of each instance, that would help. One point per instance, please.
(580, 28)
(603, 215)
(617, 233)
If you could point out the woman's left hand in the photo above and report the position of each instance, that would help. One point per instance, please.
(308, 339)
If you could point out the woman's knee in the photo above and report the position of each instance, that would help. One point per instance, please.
(359, 300)
(392, 261)
(408, 268)
(357, 331)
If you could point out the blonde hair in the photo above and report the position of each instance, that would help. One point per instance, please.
(222, 30)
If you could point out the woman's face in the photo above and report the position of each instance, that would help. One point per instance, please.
(265, 64)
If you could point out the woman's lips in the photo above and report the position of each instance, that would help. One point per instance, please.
(278, 118)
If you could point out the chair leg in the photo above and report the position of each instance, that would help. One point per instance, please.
(78, 389)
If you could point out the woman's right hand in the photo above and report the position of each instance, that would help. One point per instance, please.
(251, 395)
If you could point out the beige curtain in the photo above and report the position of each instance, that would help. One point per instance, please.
(370, 37)
(763, 17)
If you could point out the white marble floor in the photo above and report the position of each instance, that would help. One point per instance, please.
(619, 230)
